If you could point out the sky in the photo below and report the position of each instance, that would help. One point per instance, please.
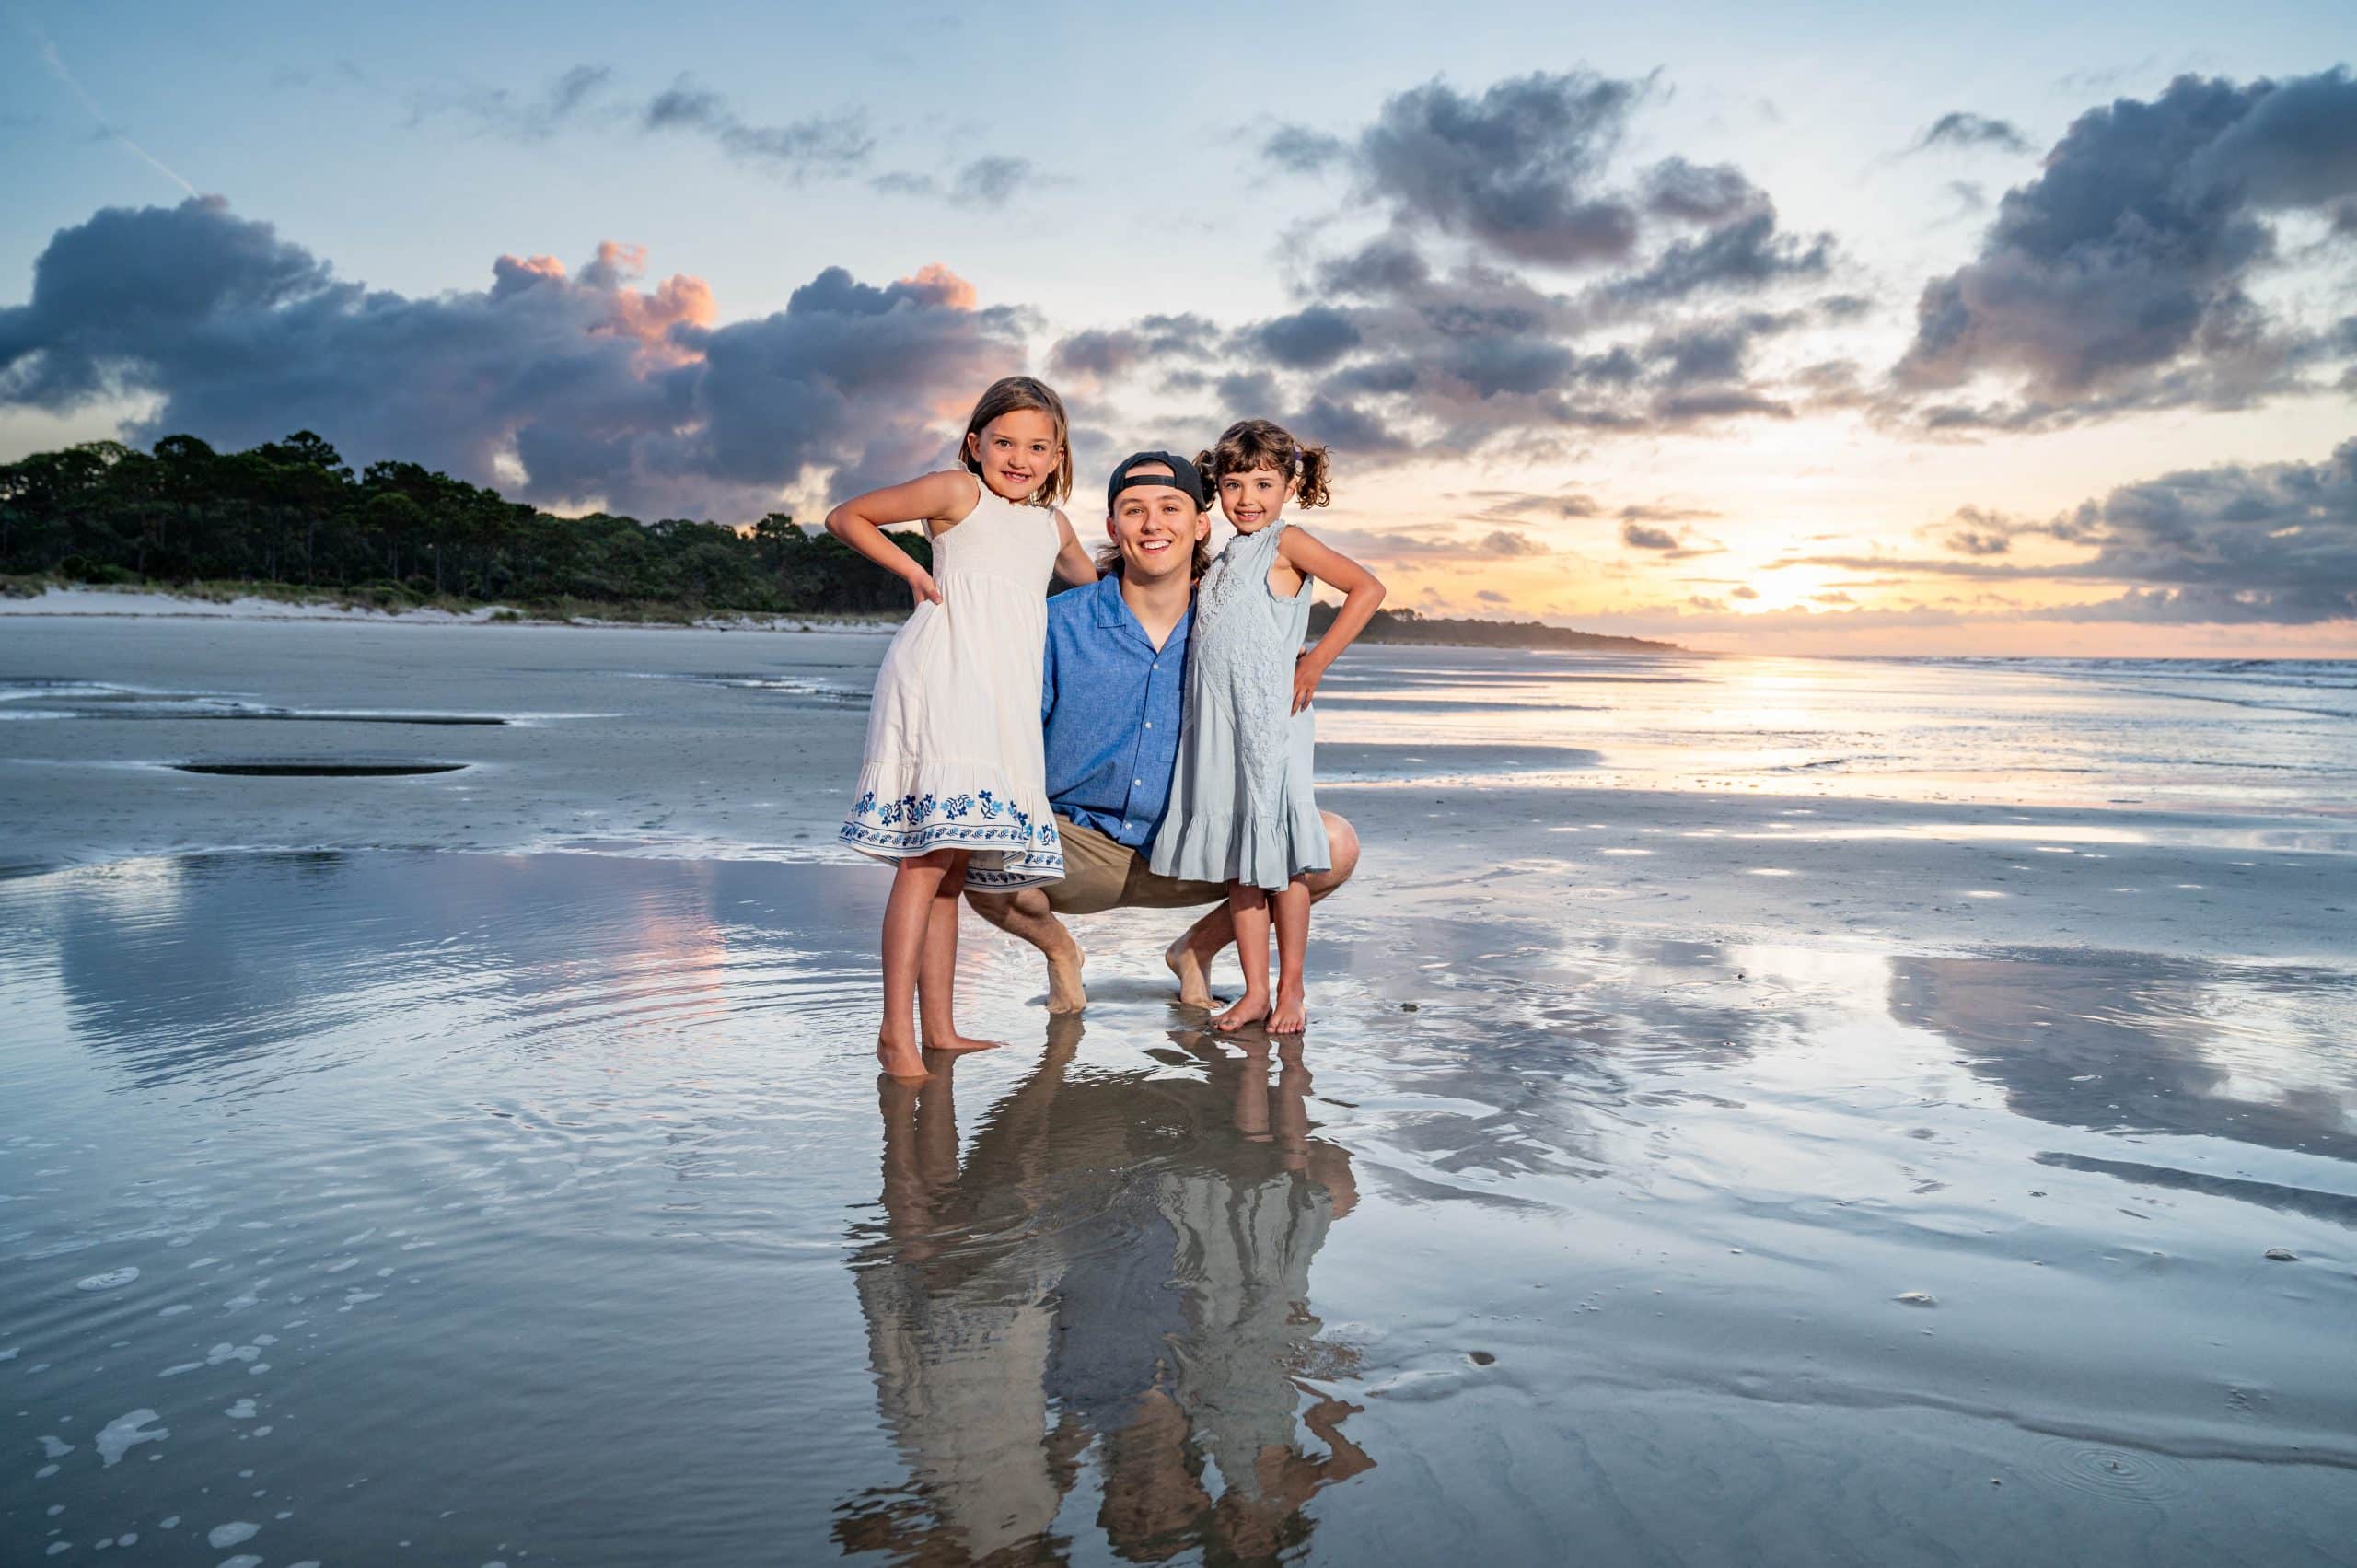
(1802, 328)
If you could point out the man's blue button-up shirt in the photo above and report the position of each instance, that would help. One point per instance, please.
(1110, 706)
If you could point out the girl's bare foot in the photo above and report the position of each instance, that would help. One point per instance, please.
(1194, 984)
(1064, 991)
(1291, 1014)
(1249, 1010)
(954, 1043)
(902, 1062)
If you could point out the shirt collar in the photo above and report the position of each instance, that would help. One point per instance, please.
(1113, 611)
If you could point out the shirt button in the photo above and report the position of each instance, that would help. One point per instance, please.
(1137, 783)
(1149, 723)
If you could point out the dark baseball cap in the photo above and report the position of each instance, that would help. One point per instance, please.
(1182, 476)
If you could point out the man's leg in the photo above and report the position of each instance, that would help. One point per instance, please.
(1024, 915)
(1190, 956)
(1093, 868)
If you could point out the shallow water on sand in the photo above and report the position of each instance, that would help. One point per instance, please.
(1755, 1111)
(544, 1208)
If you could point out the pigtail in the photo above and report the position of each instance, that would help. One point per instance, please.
(1207, 464)
(1317, 469)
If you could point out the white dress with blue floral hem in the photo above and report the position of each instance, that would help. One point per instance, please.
(954, 759)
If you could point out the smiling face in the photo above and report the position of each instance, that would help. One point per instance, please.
(1155, 527)
(1018, 452)
(1253, 497)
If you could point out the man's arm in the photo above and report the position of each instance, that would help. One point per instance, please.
(1048, 675)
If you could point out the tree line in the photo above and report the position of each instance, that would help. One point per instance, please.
(1407, 626)
(293, 512)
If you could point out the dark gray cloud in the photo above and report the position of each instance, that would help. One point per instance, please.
(1115, 350)
(1438, 336)
(1309, 339)
(989, 183)
(2237, 544)
(2116, 278)
(834, 143)
(1704, 193)
(1669, 546)
(1745, 254)
(1961, 128)
(1516, 169)
(816, 144)
(1300, 150)
(597, 388)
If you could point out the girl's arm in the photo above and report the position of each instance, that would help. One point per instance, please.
(1362, 596)
(939, 499)
(1073, 562)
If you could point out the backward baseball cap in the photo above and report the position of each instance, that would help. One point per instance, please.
(1183, 477)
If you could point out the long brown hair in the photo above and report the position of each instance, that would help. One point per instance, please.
(1251, 443)
(1009, 395)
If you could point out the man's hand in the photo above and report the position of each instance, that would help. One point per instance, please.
(921, 588)
(1307, 673)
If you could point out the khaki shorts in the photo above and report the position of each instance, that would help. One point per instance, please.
(1102, 873)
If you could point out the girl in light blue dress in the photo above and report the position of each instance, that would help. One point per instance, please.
(1242, 809)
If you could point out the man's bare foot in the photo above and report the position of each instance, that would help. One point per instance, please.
(955, 1044)
(1291, 1014)
(1194, 983)
(1065, 993)
(902, 1062)
(1249, 1010)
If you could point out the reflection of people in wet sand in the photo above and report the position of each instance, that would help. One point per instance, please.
(1120, 1268)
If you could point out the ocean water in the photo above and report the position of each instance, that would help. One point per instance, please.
(1754, 1111)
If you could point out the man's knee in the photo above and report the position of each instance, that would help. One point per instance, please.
(997, 908)
(1343, 847)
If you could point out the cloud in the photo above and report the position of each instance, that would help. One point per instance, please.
(1748, 253)
(2116, 278)
(2275, 543)
(1436, 546)
(1638, 535)
(1309, 339)
(522, 116)
(1961, 128)
(1515, 169)
(1712, 193)
(1102, 353)
(1743, 591)
(1524, 503)
(1442, 335)
(598, 389)
(1492, 596)
(1299, 150)
(987, 182)
(816, 144)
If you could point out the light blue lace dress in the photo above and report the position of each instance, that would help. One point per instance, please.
(1242, 808)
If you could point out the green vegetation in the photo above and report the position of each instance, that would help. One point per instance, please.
(1407, 626)
(289, 519)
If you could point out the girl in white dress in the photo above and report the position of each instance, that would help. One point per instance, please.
(953, 786)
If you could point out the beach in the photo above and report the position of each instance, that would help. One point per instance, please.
(1755, 1110)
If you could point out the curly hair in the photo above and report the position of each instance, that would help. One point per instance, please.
(1007, 396)
(1251, 443)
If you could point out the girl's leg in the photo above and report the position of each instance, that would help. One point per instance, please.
(916, 884)
(1249, 906)
(937, 975)
(1291, 904)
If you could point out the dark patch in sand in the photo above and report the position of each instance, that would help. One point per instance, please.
(317, 767)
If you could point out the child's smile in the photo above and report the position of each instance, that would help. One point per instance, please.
(1252, 499)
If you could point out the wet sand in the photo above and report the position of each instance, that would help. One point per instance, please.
(1774, 1166)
